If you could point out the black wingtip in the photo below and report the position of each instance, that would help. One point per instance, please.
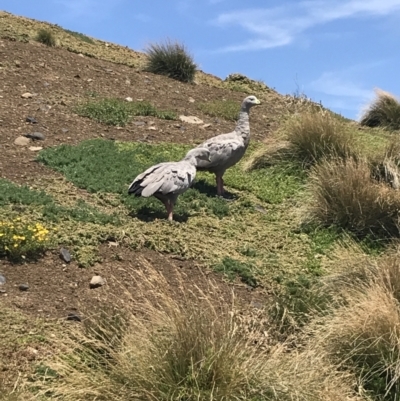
(135, 189)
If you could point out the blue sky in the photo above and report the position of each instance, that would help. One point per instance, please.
(333, 51)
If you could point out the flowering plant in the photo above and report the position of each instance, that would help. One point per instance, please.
(20, 239)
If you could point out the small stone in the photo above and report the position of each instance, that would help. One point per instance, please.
(36, 136)
(96, 281)
(23, 287)
(259, 208)
(22, 141)
(2, 280)
(191, 100)
(90, 80)
(127, 81)
(191, 119)
(74, 317)
(64, 130)
(35, 148)
(139, 123)
(152, 128)
(31, 120)
(81, 55)
(27, 95)
(65, 255)
(206, 126)
(129, 99)
(17, 63)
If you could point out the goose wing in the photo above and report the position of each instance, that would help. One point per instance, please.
(164, 178)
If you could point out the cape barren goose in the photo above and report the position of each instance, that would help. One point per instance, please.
(166, 181)
(227, 149)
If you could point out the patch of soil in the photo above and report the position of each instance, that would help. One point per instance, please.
(57, 289)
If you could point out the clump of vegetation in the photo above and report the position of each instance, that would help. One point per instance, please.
(318, 135)
(385, 168)
(227, 109)
(346, 196)
(383, 112)
(362, 333)
(233, 268)
(80, 36)
(180, 342)
(22, 240)
(171, 59)
(175, 345)
(46, 37)
(117, 112)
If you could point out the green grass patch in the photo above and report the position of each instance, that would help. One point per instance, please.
(111, 111)
(232, 269)
(22, 196)
(227, 109)
(79, 36)
(106, 166)
(260, 210)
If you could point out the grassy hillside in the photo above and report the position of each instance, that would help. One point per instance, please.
(286, 290)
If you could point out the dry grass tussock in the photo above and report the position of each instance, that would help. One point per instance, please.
(362, 334)
(385, 168)
(272, 153)
(309, 138)
(383, 112)
(320, 135)
(345, 195)
(175, 343)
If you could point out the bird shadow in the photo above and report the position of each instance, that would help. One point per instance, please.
(147, 214)
(210, 190)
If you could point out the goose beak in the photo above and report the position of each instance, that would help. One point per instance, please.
(258, 102)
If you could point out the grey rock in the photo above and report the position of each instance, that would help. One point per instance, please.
(31, 120)
(139, 123)
(96, 281)
(65, 255)
(35, 148)
(191, 119)
(23, 287)
(64, 130)
(260, 209)
(2, 280)
(74, 317)
(36, 136)
(26, 95)
(22, 141)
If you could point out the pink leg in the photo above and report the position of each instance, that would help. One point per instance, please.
(170, 209)
(220, 185)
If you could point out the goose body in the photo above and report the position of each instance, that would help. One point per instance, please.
(166, 181)
(227, 149)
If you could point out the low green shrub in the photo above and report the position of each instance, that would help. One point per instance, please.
(46, 37)
(171, 59)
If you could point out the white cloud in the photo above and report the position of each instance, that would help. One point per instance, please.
(344, 89)
(278, 26)
(335, 84)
